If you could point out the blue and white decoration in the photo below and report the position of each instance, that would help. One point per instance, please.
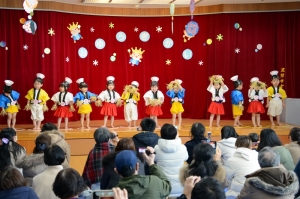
(144, 36)
(100, 43)
(121, 36)
(82, 52)
(168, 43)
(187, 54)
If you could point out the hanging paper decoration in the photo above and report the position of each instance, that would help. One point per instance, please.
(75, 30)
(136, 56)
(191, 29)
(172, 11)
(192, 8)
(30, 5)
(30, 26)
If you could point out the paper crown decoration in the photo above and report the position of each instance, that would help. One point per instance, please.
(139, 51)
(80, 80)
(8, 82)
(110, 78)
(40, 75)
(73, 26)
(135, 83)
(254, 79)
(154, 79)
(68, 80)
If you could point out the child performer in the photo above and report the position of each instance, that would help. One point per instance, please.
(112, 100)
(83, 100)
(217, 88)
(256, 93)
(176, 93)
(64, 100)
(9, 104)
(131, 96)
(154, 99)
(237, 100)
(276, 98)
(36, 101)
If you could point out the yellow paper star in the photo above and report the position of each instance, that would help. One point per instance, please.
(168, 62)
(219, 37)
(111, 25)
(51, 32)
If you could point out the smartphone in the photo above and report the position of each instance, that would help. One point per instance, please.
(209, 135)
(213, 144)
(103, 194)
(142, 150)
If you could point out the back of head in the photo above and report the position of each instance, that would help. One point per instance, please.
(101, 135)
(49, 127)
(11, 178)
(254, 137)
(243, 141)
(68, 183)
(41, 143)
(168, 132)
(295, 134)
(54, 155)
(269, 138)
(125, 144)
(125, 162)
(148, 124)
(208, 188)
(228, 132)
(268, 157)
(198, 131)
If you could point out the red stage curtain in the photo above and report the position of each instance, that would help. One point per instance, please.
(278, 32)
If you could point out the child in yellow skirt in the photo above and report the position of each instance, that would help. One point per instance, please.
(9, 104)
(176, 93)
(36, 101)
(83, 100)
(237, 100)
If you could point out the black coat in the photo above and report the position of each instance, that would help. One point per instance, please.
(109, 178)
(190, 148)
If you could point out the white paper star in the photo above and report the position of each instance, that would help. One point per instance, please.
(158, 29)
(136, 29)
(51, 32)
(201, 63)
(237, 50)
(92, 29)
(95, 63)
(25, 47)
(67, 59)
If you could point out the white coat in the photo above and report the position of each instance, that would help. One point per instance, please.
(227, 146)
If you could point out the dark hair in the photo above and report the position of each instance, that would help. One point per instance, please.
(68, 183)
(295, 134)
(243, 141)
(237, 83)
(48, 127)
(7, 89)
(126, 171)
(125, 144)
(208, 188)
(168, 132)
(83, 85)
(203, 164)
(148, 124)
(268, 157)
(154, 83)
(54, 155)
(65, 84)
(11, 178)
(101, 135)
(110, 82)
(198, 131)
(268, 138)
(254, 137)
(41, 143)
(40, 80)
(228, 132)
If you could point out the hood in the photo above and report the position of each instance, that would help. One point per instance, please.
(137, 185)
(275, 180)
(169, 146)
(109, 159)
(145, 139)
(230, 142)
(246, 154)
(56, 136)
(30, 161)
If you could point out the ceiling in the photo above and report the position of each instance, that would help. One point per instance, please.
(161, 3)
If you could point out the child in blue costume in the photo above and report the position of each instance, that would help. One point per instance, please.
(237, 100)
(9, 104)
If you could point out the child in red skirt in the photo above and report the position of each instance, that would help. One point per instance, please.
(217, 88)
(63, 103)
(256, 94)
(154, 99)
(111, 100)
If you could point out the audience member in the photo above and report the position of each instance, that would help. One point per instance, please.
(294, 145)
(269, 138)
(197, 136)
(34, 163)
(42, 183)
(120, 194)
(170, 156)
(154, 186)
(13, 185)
(227, 142)
(48, 127)
(255, 140)
(243, 162)
(113, 138)
(271, 181)
(93, 170)
(297, 171)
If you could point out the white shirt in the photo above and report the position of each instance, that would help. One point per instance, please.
(222, 90)
(35, 94)
(261, 94)
(69, 98)
(149, 94)
(104, 96)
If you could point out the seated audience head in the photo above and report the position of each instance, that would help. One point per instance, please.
(168, 132)
(125, 144)
(148, 124)
(11, 178)
(49, 127)
(126, 163)
(101, 135)
(208, 188)
(244, 142)
(254, 137)
(41, 143)
(54, 155)
(295, 135)
(198, 131)
(203, 164)
(268, 137)
(68, 184)
(228, 132)
(268, 157)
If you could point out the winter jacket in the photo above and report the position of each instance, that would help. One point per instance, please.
(243, 162)
(270, 183)
(153, 186)
(18, 193)
(109, 178)
(190, 148)
(170, 157)
(294, 149)
(227, 146)
(142, 140)
(285, 158)
(32, 165)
